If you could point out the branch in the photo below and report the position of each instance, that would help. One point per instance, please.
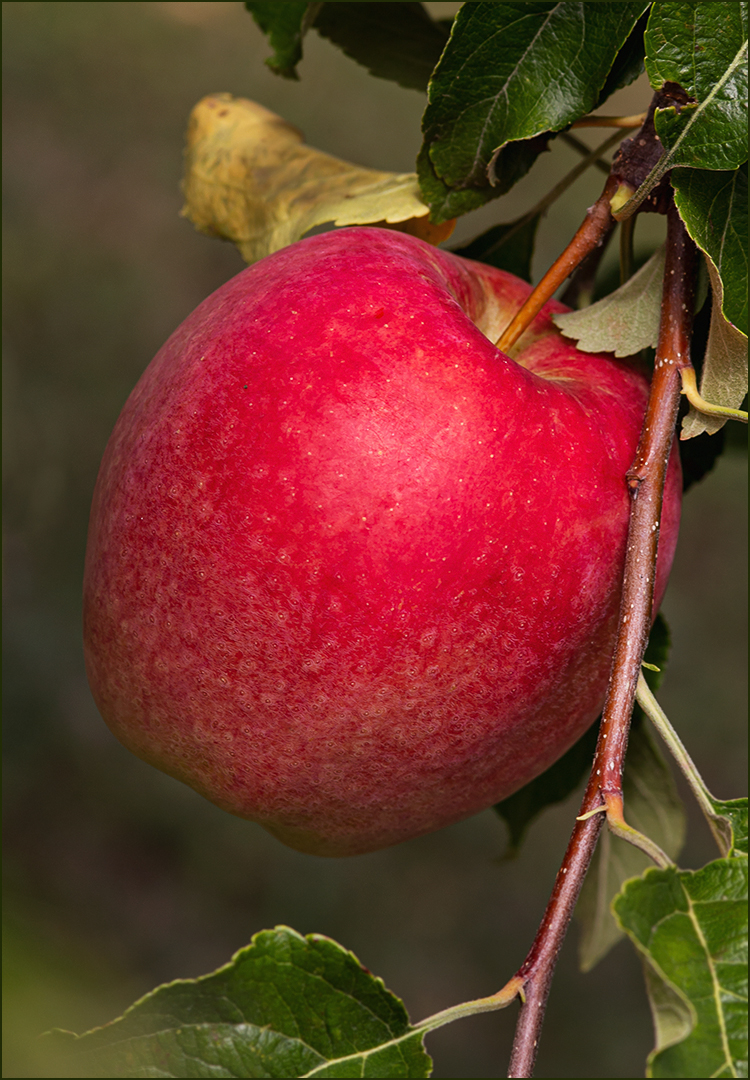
(645, 481)
(590, 157)
(610, 121)
(582, 148)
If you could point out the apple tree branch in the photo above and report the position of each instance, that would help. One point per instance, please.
(645, 481)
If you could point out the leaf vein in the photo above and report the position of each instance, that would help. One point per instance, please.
(728, 1062)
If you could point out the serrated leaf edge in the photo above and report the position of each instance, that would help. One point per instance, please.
(728, 1062)
(640, 289)
(305, 939)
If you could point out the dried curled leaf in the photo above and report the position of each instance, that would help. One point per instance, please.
(251, 179)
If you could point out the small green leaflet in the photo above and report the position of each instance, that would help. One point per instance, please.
(653, 806)
(657, 652)
(703, 48)
(690, 928)
(285, 1006)
(510, 75)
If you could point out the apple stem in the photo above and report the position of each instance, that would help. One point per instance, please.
(579, 292)
(645, 480)
(597, 223)
(592, 157)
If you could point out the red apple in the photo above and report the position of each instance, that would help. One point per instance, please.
(352, 572)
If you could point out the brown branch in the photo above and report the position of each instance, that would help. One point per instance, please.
(591, 233)
(645, 481)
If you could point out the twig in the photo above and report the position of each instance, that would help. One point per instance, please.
(580, 146)
(579, 292)
(633, 121)
(591, 158)
(645, 481)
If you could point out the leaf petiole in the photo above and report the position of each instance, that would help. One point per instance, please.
(512, 989)
(690, 390)
(718, 823)
(618, 826)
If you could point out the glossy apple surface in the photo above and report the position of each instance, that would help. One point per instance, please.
(352, 572)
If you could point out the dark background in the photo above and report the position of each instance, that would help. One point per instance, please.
(118, 877)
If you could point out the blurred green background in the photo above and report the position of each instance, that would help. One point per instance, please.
(117, 877)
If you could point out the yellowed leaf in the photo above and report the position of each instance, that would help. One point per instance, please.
(251, 179)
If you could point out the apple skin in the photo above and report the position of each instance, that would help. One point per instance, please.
(352, 572)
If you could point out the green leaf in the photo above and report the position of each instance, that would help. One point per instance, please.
(690, 928)
(554, 785)
(510, 75)
(629, 62)
(286, 1006)
(393, 41)
(508, 247)
(624, 322)
(731, 817)
(653, 807)
(285, 26)
(713, 206)
(724, 374)
(703, 48)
